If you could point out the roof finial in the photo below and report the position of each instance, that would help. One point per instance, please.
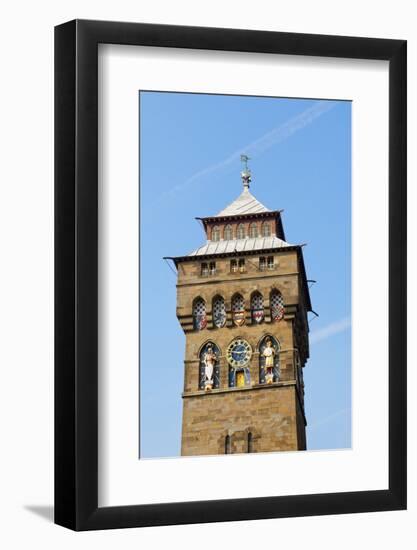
(245, 173)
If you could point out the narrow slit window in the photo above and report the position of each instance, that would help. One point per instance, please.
(250, 442)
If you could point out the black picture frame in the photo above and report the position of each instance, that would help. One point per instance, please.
(76, 272)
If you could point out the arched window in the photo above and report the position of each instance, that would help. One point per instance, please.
(238, 310)
(215, 233)
(268, 360)
(266, 229)
(250, 442)
(253, 230)
(277, 306)
(257, 307)
(219, 312)
(209, 367)
(240, 233)
(228, 233)
(199, 314)
(227, 445)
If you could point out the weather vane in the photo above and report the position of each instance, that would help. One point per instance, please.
(246, 173)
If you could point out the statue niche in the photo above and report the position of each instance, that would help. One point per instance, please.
(268, 360)
(209, 367)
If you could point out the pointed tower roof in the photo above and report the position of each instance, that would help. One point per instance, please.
(245, 212)
(246, 203)
(247, 208)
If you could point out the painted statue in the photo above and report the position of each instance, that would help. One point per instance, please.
(209, 360)
(269, 354)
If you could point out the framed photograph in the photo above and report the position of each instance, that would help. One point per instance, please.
(230, 252)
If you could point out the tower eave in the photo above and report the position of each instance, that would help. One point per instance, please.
(236, 217)
(201, 257)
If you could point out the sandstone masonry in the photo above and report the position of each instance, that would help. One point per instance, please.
(243, 414)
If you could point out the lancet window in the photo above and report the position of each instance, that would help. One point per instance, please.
(257, 307)
(199, 314)
(219, 312)
(277, 306)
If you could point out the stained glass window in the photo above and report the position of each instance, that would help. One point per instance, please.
(269, 360)
(253, 230)
(219, 312)
(270, 262)
(227, 445)
(257, 307)
(277, 306)
(215, 234)
(228, 233)
(262, 263)
(199, 314)
(240, 233)
(233, 266)
(266, 229)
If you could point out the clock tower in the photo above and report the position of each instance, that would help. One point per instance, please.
(242, 302)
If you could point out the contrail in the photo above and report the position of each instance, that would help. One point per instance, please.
(329, 330)
(262, 144)
(329, 418)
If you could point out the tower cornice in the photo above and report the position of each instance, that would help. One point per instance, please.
(256, 252)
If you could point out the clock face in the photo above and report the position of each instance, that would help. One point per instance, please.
(239, 353)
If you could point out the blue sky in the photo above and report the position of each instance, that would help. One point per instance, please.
(190, 146)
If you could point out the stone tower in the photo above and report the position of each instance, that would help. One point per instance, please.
(242, 301)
